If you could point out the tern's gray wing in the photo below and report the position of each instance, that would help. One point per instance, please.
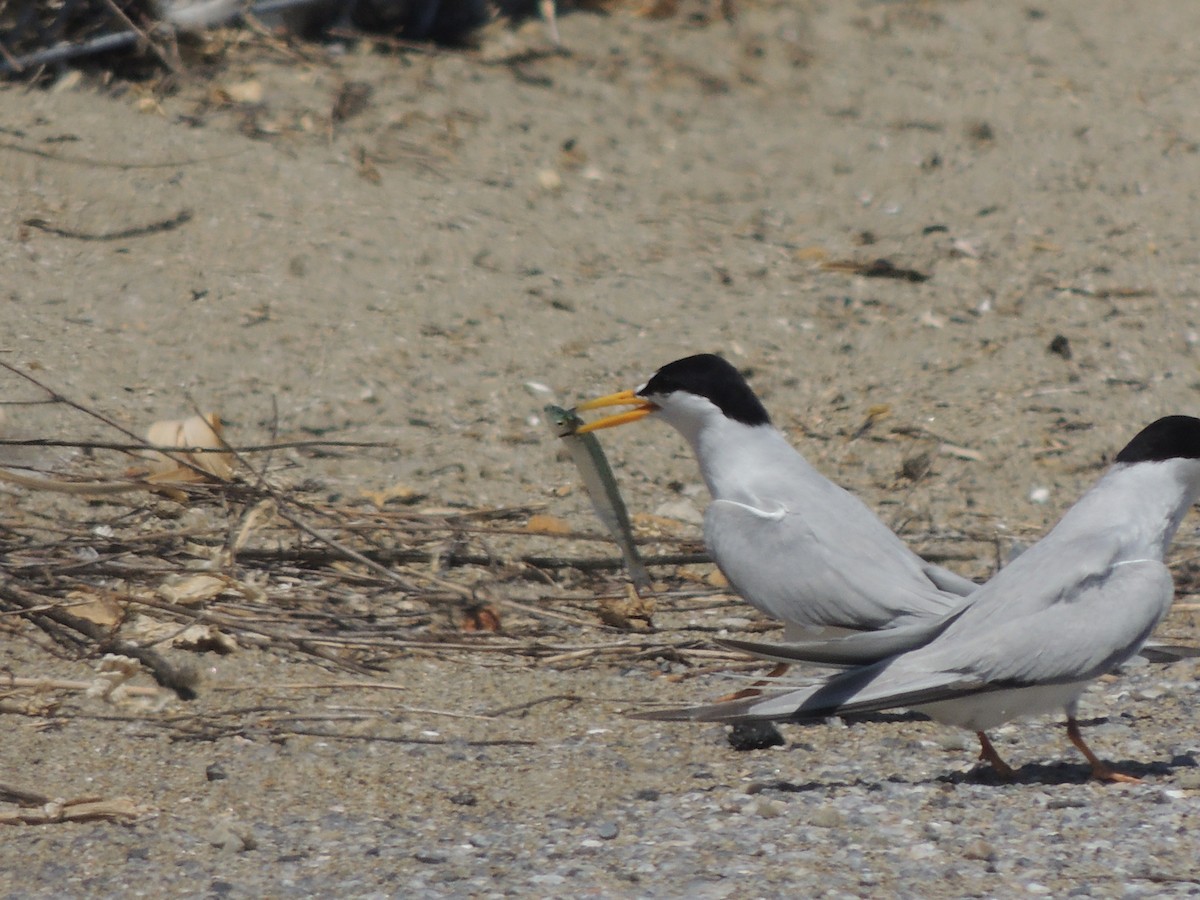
(830, 566)
(1088, 632)
(859, 649)
(950, 582)
(1056, 569)
(1092, 630)
(864, 648)
(837, 696)
(1158, 652)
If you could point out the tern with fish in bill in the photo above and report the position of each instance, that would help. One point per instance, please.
(790, 541)
(1073, 607)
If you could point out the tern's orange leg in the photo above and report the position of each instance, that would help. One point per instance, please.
(754, 691)
(988, 752)
(1100, 769)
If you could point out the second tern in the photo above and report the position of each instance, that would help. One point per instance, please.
(1076, 605)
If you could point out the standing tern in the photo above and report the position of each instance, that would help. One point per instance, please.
(792, 543)
(1073, 607)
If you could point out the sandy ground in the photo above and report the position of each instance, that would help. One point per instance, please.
(503, 216)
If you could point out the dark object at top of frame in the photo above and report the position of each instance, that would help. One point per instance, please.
(47, 34)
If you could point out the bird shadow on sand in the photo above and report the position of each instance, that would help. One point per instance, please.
(983, 775)
(1063, 772)
(1056, 772)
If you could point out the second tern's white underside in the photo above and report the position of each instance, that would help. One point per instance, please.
(986, 710)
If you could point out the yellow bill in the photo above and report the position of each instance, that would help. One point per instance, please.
(642, 408)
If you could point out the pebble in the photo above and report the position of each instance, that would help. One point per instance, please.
(826, 817)
(1187, 779)
(608, 831)
(980, 850)
(754, 736)
(1065, 803)
(232, 836)
(769, 809)
(952, 739)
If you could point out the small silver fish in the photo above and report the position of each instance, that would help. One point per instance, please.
(601, 487)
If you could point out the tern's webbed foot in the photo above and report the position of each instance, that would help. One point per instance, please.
(1101, 770)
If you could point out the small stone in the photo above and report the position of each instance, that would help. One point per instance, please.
(1188, 779)
(1060, 346)
(767, 808)
(981, 850)
(215, 772)
(232, 836)
(608, 831)
(826, 817)
(648, 794)
(952, 740)
(980, 132)
(916, 467)
(1065, 803)
(754, 736)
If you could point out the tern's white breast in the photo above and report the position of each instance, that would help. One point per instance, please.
(983, 711)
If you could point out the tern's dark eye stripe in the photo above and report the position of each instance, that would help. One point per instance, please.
(708, 375)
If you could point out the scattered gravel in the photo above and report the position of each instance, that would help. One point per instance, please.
(397, 277)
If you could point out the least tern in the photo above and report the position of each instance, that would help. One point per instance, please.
(1076, 605)
(790, 541)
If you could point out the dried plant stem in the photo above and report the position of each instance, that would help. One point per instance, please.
(65, 684)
